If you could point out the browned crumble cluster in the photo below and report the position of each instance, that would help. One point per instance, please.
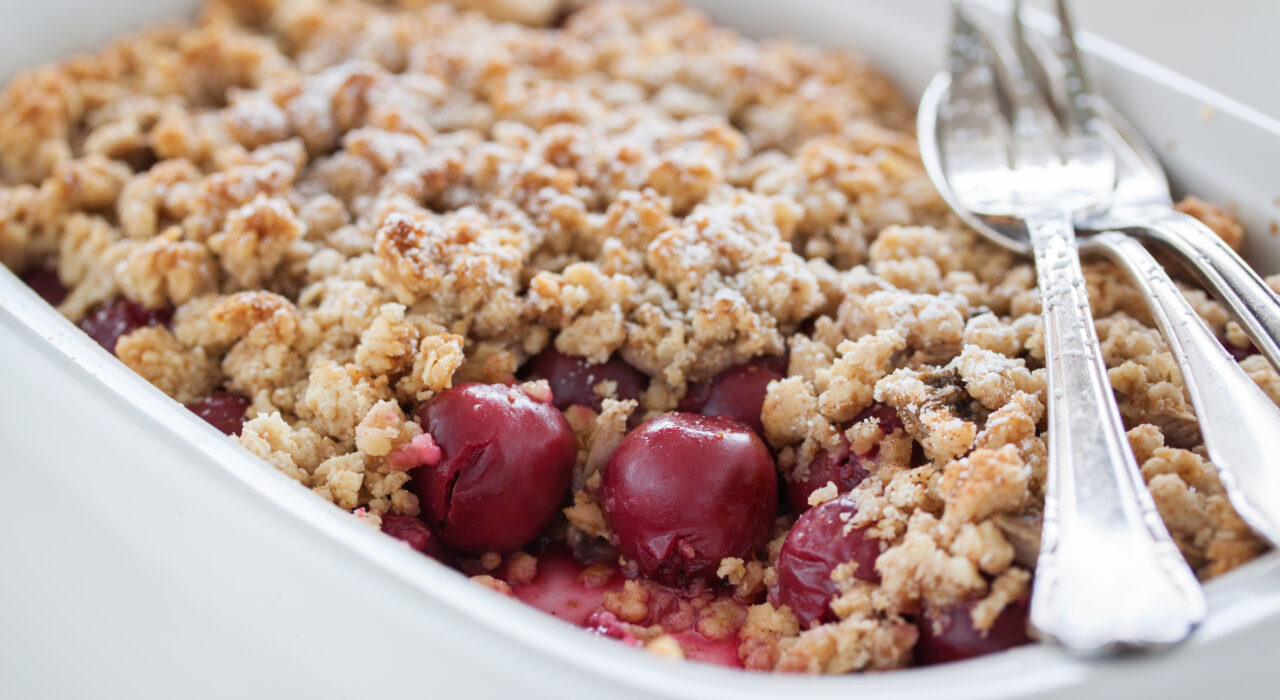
(352, 206)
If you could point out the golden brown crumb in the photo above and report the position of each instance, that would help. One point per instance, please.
(1213, 216)
(665, 646)
(494, 584)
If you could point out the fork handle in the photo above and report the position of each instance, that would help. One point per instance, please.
(1230, 279)
(1238, 421)
(1108, 577)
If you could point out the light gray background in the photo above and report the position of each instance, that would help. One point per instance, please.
(1232, 46)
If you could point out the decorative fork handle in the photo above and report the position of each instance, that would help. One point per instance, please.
(1108, 576)
(1232, 282)
(1238, 421)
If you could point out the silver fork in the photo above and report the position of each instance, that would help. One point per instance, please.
(1142, 205)
(1108, 576)
(1237, 420)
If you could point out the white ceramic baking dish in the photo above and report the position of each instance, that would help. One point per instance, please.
(142, 554)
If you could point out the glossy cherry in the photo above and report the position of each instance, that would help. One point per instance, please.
(45, 282)
(683, 491)
(108, 322)
(820, 541)
(949, 635)
(573, 379)
(737, 392)
(504, 468)
(223, 410)
(841, 466)
(413, 531)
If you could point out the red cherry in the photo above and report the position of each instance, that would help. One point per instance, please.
(737, 392)
(504, 468)
(45, 282)
(821, 540)
(412, 530)
(573, 379)
(107, 323)
(841, 466)
(1237, 352)
(949, 635)
(683, 491)
(223, 410)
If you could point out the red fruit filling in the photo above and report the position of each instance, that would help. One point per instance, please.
(821, 540)
(737, 392)
(563, 589)
(842, 466)
(949, 634)
(45, 282)
(107, 323)
(504, 467)
(573, 380)
(683, 491)
(606, 624)
(223, 410)
(415, 533)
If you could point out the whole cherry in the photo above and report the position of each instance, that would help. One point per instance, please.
(109, 322)
(737, 392)
(683, 491)
(223, 410)
(822, 539)
(504, 468)
(573, 380)
(949, 634)
(841, 466)
(45, 282)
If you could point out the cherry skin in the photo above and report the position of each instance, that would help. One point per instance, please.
(683, 491)
(223, 410)
(948, 635)
(45, 282)
(818, 543)
(1237, 352)
(109, 322)
(415, 533)
(573, 379)
(841, 466)
(737, 392)
(504, 468)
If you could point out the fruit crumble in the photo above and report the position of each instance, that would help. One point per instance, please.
(655, 327)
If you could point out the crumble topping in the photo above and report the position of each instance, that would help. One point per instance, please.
(351, 207)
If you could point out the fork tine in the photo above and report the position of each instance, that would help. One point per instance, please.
(1034, 131)
(1079, 104)
(970, 115)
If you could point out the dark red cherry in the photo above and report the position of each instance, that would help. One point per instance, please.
(504, 468)
(841, 466)
(683, 491)
(737, 392)
(949, 635)
(573, 380)
(821, 540)
(45, 282)
(413, 531)
(1237, 352)
(223, 410)
(108, 322)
